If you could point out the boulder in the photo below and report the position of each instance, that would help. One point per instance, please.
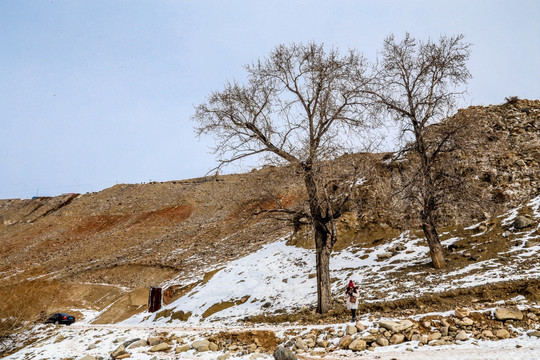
(224, 356)
(201, 344)
(522, 222)
(369, 338)
(310, 342)
(396, 326)
(301, 344)
(462, 312)
(155, 340)
(502, 334)
(323, 343)
(534, 333)
(137, 344)
(282, 353)
(434, 336)
(351, 329)
(467, 321)
(360, 326)
(345, 341)
(160, 347)
(182, 348)
(461, 335)
(397, 339)
(213, 347)
(358, 345)
(383, 341)
(508, 314)
(121, 350)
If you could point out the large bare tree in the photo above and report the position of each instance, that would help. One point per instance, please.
(418, 85)
(299, 105)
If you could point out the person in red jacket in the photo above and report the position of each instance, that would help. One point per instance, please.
(351, 298)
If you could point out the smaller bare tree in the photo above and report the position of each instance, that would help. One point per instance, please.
(419, 83)
(299, 105)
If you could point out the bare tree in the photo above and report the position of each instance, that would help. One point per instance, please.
(299, 105)
(419, 83)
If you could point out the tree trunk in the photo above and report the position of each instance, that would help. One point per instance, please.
(428, 194)
(323, 245)
(323, 250)
(435, 247)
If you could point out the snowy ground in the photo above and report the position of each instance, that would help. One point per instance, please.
(77, 341)
(283, 277)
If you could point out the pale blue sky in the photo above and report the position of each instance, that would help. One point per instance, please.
(94, 93)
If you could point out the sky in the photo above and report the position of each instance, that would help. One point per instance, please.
(96, 93)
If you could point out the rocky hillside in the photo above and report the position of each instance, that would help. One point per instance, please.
(88, 251)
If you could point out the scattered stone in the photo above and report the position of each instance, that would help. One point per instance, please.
(137, 344)
(397, 339)
(444, 330)
(345, 341)
(59, 338)
(462, 335)
(467, 321)
(351, 329)
(224, 356)
(89, 357)
(534, 333)
(508, 314)
(384, 255)
(182, 348)
(155, 340)
(358, 345)
(160, 347)
(282, 353)
(362, 327)
(396, 326)
(201, 345)
(120, 351)
(369, 338)
(322, 343)
(502, 334)
(522, 222)
(301, 344)
(438, 343)
(462, 312)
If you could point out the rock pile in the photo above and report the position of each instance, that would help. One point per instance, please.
(430, 330)
(463, 325)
